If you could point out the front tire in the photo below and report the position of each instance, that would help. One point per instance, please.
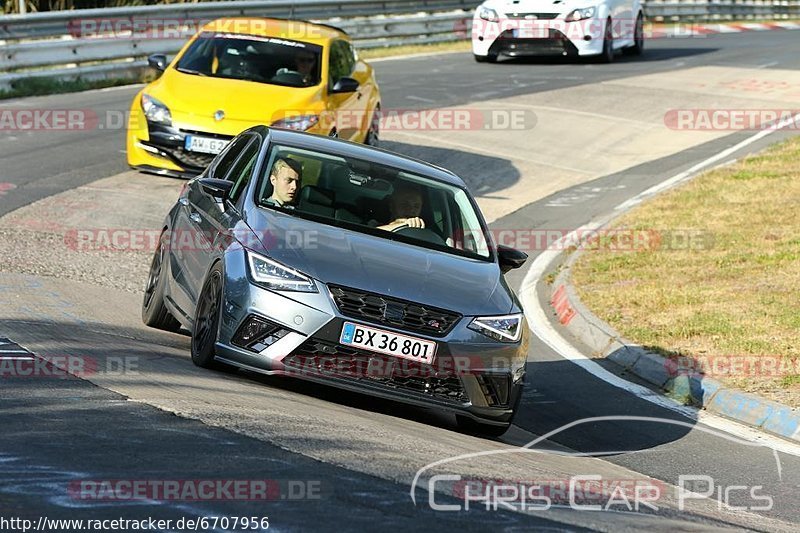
(206, 320)
(372, 137)
(607, 55)
(154, 312)
(638, 39)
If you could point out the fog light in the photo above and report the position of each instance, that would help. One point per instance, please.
(256, 334)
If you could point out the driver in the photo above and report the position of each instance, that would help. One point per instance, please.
(304, 64)
(405, 206)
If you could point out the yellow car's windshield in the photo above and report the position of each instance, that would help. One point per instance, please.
(247, 57)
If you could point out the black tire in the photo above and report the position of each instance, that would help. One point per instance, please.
(473, 427)
(638, 39)
(489, 58)
(373, 133)
(206, 320)
(607, 55)
(154, 313)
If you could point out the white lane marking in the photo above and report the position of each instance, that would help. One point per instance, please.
(767, 65)
(16, 358)
(14, 351)
(542, 327)
(420, 99)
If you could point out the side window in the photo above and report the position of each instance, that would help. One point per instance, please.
(243, 170)
(352, 57)
(340, 64)
(228, 158)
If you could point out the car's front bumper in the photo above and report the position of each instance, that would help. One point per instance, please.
(472, 374)
(539, 38)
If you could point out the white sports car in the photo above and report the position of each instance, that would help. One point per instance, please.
(557, 27)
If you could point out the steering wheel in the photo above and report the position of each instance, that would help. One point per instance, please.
(422, 234)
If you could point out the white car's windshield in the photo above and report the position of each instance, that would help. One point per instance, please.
(374, 199)
(246, 57)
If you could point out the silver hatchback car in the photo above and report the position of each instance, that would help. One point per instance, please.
(348, 265)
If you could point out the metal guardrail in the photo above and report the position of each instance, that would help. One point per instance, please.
(56, 44)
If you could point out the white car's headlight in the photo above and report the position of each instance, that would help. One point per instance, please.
(275, 276)
(299, 123)
(507, 328)
(155, 111)
(487, 13)
(581, 14)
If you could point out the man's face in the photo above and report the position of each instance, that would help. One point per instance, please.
(305, 64)
(406, 204)
(285, 184)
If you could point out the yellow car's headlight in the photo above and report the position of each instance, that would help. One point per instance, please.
(155, 111)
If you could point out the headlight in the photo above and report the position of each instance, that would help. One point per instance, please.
(155, 111)
(506, 328)
(299, 123)
(581, 14)
(278, 277)
(487, 13)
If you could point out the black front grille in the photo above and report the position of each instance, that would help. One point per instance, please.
(197, 160)
(323, 359)
(393, 312)
(532, 16)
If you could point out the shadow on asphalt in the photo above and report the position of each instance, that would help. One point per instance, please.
(650, 55)
(538, 413)
(483, 174)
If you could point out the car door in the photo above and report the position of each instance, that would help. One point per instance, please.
(192, 233)
(346, 107)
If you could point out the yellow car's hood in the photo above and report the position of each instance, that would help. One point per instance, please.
(193, 101)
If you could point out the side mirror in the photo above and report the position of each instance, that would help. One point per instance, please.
(345, 85)
(215, 188)
(510, 258)
(158, 62)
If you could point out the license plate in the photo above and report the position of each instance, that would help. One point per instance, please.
(386, 342)
(207, 145)
(530, 33)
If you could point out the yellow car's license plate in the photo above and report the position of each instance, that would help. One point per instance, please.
(206, 145)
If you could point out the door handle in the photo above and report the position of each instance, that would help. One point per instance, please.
(195, 217)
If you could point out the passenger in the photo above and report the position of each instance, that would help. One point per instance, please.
(286, 177)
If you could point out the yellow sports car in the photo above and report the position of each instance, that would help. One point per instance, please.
(240, 72)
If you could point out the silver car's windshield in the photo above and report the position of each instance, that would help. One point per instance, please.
(247, 57)
(372, 198)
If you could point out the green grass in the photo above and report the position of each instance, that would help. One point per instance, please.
(734, 296)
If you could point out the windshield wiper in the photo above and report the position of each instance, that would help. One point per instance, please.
(190, 71)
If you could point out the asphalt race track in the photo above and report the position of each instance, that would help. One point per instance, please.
(598, 139)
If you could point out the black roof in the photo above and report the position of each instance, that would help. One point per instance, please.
(359, 151)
